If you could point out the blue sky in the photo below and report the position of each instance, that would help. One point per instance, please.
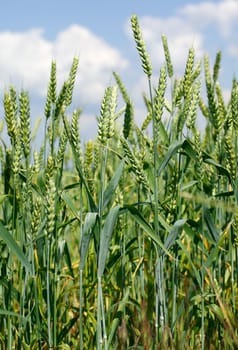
(34, 33)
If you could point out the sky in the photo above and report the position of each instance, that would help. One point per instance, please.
(32, 34)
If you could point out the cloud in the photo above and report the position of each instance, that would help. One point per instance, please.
(233, 50)
(26, 57)
(221, 13)
(181, 36)
(97, 60)
(207, 26)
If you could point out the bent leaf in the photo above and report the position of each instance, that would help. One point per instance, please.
(174, 232)
(14, 247)
(171, 151)
(147, 227)
(90, 220)
(105, 238)
(110, 190)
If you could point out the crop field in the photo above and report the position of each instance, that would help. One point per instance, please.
(129, 241)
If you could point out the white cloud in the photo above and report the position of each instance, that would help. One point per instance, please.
(222, 13)
(25, 57)
(233, 50)
(25, 60)
(97, 60)
(88, 127)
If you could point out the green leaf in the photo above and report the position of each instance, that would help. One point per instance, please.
(79, 169)
(90, 221)
(111, 187)
(163, 134)
(188, 149)
(66, 329)
(171, 151)
(221, 170)
(14, 247)
(134, 212)
(174, 232)
(118, 316)
(216, 310)
(187, 186)
(67, 257)
(196, 272)
(11, 314)
(215, 251)
(106, 237)
(69, 204)
(211, 226)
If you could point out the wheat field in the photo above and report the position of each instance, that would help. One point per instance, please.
(130, 240)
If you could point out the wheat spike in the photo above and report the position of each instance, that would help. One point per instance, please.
(71, 81)
(88, 164)
(231, 156)
(216, 67)
(75, 134)
(17, 156)
(60, 104)
(24, 111)
(192, 109)
(62, 147)
(212, 104)
(10, 118)
(107, 115)
(234, 103)
(140, 44)
(135, 164)
(168, 60)
(51, 93)
(50, 208)
(36, 166)
(220, 103)
(121, 87)
(36, 216)
(187, 81)
(128, 119)
(160, 93)
(235, 227)
(49, 171)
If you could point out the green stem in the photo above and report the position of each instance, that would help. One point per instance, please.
(99, 327)
(48, 294)
(104, 331)
(100, 310)
(202, 285)
(38, 325)
(155, 145)
(81, 274)
(81, 310)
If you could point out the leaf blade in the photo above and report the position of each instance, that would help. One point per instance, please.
(14, 247)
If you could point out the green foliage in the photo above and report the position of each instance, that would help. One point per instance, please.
(131, 240)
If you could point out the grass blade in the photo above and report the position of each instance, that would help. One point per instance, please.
(135, 213)
(90, 220)
(171, 151)
(106, 237)
(14, 247)
(110, 190)
(174, 232)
